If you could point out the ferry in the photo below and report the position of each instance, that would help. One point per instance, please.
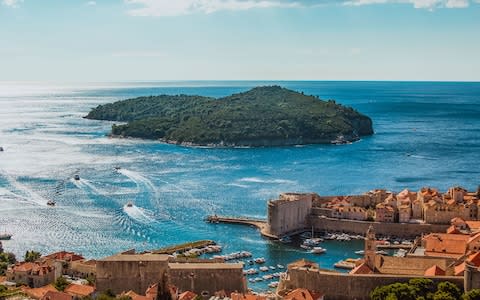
(318, 250)
(5, 236)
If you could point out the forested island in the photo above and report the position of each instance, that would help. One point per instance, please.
(262, 116)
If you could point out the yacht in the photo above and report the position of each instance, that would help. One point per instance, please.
(318, 250)
(5, 236)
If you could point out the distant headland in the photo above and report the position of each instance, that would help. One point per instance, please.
(262, 116)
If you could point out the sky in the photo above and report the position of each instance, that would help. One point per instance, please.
(125, 40)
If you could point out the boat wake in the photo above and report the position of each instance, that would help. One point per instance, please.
(139, 214)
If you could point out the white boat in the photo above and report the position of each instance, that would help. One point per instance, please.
(280, 266)
(360, 252)
(272, 268)
(305, 247)
(382, 252)
(267, 277)
(259, 260)
(263, 269)
(344, 265)
(5, 236)
(318, 250)
(273, 284)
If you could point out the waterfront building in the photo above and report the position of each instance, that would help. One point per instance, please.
(32, 274)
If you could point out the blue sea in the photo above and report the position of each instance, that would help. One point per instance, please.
(426, 134)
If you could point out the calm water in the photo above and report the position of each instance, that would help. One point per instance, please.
(427, 134)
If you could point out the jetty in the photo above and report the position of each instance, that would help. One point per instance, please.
(262, 225)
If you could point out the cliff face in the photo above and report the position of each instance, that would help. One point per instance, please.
(263, 116)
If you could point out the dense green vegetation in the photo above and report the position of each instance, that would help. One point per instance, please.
(6, 259)
(422, 289)
(61, 283)
(263, 116)
(31, 256)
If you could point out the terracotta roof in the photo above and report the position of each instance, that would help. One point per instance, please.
(459, 269)
(453, 230)
(474, 225)
(474, 259)
(136, 296)
(51, 295)
(64, 255)
(188, 295)
(362, 268)
(445, 244)
(24, 267)
(434, 271)
(238, 296)
(302, 294)
(38, 293)
(79, 290)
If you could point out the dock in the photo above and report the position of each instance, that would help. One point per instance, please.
(392, 246)
(262, 225)
(184, 247)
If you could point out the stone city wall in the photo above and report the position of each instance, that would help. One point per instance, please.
(340, 286)
(405, 230)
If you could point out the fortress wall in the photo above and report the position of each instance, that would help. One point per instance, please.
(340, 286)
(206, 280)
(415, 266)
(405, 230)
(137, 276)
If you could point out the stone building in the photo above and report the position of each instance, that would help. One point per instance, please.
(136, 272)
(207, 278)
(32, 274)
(289, 213)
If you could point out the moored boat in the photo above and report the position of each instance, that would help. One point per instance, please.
(318, 250)
(5, 236)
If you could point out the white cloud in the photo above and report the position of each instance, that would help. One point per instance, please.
(183, 7)
(12, 3)
(91, 3)
(426, 4)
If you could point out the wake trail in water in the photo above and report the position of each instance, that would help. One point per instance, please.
(28, 195)
(139, 214)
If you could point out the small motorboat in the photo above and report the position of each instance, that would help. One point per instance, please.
(76, 177)
(360, 252)
(117, 168)
(5, 236)
(1, 149)
(129, 204)
(51, 203)
(318, 250)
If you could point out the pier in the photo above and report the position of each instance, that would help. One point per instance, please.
(262, 225)
(184, 247)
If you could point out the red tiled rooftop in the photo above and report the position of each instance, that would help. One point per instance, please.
(302, 294)
(362, 268)
(55, 295)
(79, 290)
(434, 271)
(38, 293)
(188, 295)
